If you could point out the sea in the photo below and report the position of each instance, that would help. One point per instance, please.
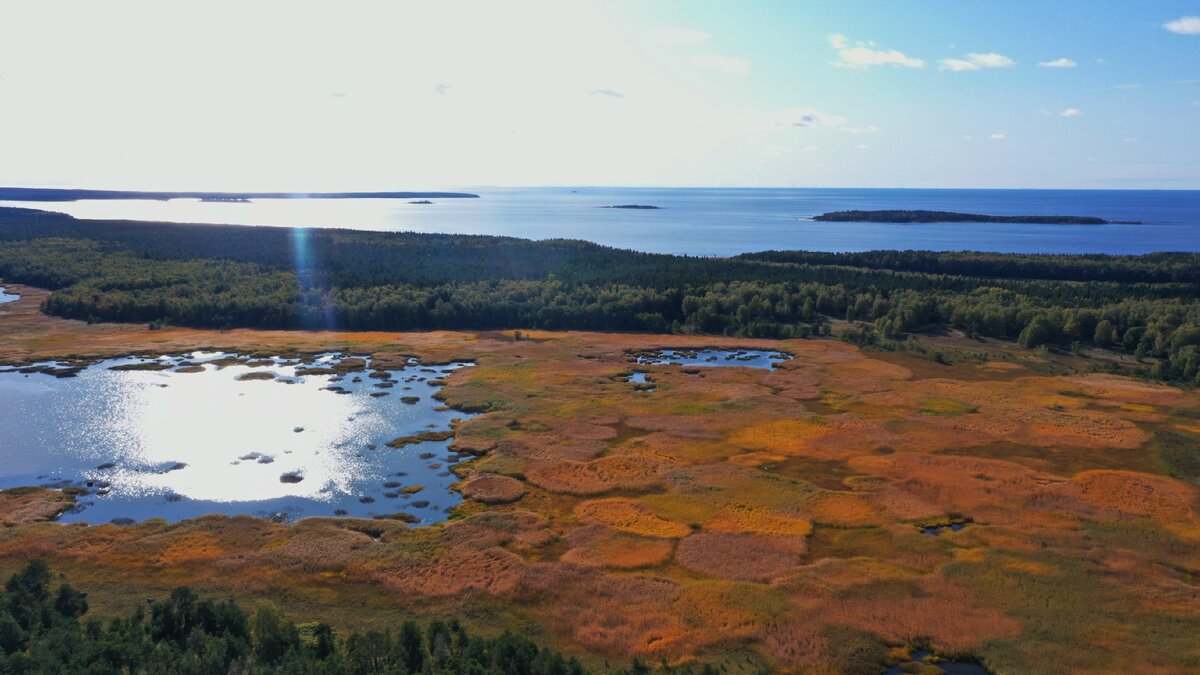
(721, 221)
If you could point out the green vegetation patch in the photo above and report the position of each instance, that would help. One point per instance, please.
(948, 407)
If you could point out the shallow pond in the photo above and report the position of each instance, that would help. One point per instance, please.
(948, 667)
(207, 432)
(8, 297)
(935, 530)
(752, 358)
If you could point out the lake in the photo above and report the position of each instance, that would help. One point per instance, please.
(720, 221)
(180, 436)
(5, 296)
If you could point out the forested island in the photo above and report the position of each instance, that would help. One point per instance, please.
(18, 194)
(952, 217)
(648, 207)
(235, 276)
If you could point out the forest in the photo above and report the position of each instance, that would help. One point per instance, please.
(44, 630)
(235, 276)
(950, 217)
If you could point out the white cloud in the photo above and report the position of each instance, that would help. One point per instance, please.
(976, 61)
(1072, 112)
(730, 65)
(678, 36)
(864, 55)
(1058, 63)
(999, 136)
(1130, 139)
(1184, 25)
(1186, 82)
(610, 93)
(1127, 86)
(861, 146)
(809, 117)
(442, 89)
(812, 118)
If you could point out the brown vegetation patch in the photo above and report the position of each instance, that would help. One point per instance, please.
(932, 608)
(630, 516)
(490, 488)
(493, 571)
(597, 476)
(843, 508)
(31, 505)
(1137, 494)
(599, 546)
(744, 518)
(747, 557)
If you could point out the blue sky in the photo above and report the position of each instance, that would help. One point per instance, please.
(365, 95)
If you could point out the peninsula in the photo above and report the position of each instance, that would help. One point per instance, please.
(71, 195)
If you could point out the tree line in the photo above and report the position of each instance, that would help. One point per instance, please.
(43, 630)
(233, 276)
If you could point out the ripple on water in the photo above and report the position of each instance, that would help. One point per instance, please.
(175, 437)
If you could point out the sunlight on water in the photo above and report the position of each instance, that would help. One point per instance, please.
(209, 432)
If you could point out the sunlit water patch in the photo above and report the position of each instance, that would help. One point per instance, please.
(181, 436)
(5, 296)
(752, 358)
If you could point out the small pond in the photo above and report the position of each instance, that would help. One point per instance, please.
(5, 296)
(208, 432)
(751, 358)
(948, 667)
(935, 530)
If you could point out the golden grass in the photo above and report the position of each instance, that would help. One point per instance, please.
(627, 515)
(769, 511)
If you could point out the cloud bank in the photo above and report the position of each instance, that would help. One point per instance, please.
(1184, 25)
(977, 61)
(864, 55)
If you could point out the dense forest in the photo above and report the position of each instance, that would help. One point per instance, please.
(44, 631)
(225, 276)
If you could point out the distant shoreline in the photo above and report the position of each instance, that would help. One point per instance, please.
(71, 195)
(919, 216)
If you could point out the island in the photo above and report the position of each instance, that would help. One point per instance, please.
(421, 201)
(19, 194)
(952, 217)
(631, 206)
(225, 200)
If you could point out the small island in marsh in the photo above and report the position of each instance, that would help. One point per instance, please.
(952, 217)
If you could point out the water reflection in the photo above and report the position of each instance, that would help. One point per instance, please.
(208, 432)
(8, 297)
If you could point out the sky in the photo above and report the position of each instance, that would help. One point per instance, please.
(298, 96)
